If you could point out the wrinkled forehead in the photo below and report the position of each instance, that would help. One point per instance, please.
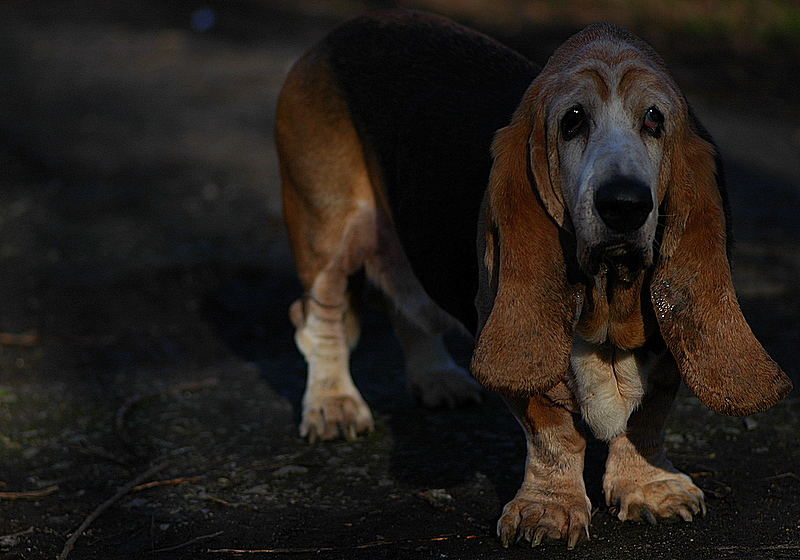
(607, 69)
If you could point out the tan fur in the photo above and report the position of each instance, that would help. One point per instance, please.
(608, 384)
(330, 213)
(608, 378)
(616, 315)
(338, 222)
(552, 502)
(523, 346)
(693, 294)
(640, 482)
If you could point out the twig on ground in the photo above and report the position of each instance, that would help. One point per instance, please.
(782, 475)
(17, 534)
(29, 494)
(187, 543)
(96, 451)
(135, 400)
(227, 503)
(765, 547)
(28, 338)
(168, 482)
(338, 548)
(98, 511)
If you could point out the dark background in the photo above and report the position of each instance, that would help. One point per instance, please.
(144, 263)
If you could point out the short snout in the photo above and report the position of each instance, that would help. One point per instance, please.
(623, 203)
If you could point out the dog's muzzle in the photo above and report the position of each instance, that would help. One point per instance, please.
(624, 205)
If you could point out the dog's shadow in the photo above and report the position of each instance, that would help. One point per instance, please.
(459, 449)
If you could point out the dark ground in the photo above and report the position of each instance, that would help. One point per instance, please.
(140, 239)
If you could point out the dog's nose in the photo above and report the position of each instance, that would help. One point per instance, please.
(623, 203)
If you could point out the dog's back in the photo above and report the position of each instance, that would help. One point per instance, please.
(428, 95)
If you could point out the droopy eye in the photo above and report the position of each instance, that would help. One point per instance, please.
(573, 122)
(653, 122)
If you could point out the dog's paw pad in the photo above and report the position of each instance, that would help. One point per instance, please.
(451, 387)
(554, 516)
(332, 417)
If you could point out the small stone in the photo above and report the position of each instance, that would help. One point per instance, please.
(750, 423)
(289, 470)
(674, 438)
(30, 452)
(260, 489)
(437, 497)
(354, 471)
(136, 502)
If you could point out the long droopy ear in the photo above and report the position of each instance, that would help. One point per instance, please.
(693, 294)
(526, 307)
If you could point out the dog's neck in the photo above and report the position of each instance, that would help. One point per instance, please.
(616, 312)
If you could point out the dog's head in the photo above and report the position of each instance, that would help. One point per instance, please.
(603, 164)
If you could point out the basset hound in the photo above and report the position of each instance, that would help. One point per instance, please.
(601, 276)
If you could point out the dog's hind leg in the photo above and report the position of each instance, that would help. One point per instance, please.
(432, 375)
(325, 333)
(330, 217)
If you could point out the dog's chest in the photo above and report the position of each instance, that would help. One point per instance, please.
(608, 385)
(608, 375)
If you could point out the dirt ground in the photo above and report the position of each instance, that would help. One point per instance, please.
(142, 252)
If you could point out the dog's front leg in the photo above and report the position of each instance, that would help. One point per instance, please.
(640, 481)
(552, 501)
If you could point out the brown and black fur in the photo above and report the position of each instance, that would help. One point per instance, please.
(404, 139)
(427, 96)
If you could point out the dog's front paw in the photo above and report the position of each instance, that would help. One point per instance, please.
(536, 515)
(450, 387)
(653, 493)
(330, 417)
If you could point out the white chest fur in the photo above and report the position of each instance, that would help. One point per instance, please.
(608, 384)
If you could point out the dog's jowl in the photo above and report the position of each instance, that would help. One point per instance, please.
(601, 278)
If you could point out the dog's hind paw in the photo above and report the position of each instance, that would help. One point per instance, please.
(332, 417)
(449, 387)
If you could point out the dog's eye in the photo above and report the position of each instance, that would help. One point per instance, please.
(573, 122)
(653, 122)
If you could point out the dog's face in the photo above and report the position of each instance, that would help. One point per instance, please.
(608, 125)
(602, 140)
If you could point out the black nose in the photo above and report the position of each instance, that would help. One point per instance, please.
(623, 203)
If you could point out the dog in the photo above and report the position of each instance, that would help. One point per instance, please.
(573, 219)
